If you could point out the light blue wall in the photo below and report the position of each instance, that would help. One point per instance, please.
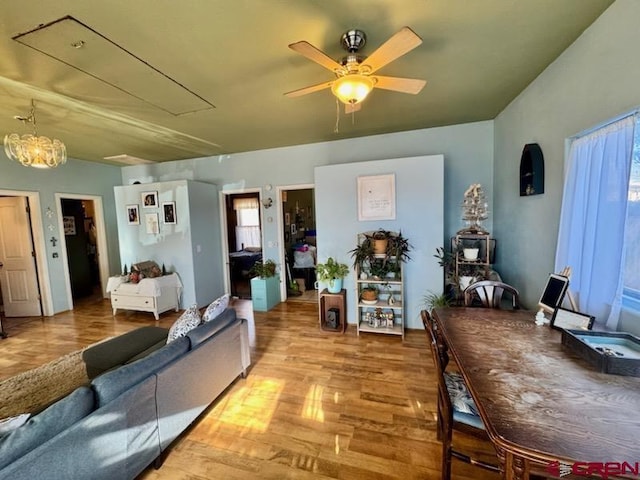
(419, 216)
(467, 150)
(77, 177)
(595, 79)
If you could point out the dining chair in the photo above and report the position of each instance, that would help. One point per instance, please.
(456, 408)
(488, 293)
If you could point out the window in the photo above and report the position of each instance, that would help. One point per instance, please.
(631, 291)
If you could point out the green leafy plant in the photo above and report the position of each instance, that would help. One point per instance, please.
(434, 300)
(331, 270)
(265, 269)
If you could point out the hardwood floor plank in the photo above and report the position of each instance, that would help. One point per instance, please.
(315, 405)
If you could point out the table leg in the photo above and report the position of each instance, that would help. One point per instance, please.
(519, 471)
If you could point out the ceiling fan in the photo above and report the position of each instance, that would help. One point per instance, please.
(354, 73)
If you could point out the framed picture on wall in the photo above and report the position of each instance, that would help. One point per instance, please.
(287, 218)
(133, 215)
(149, 199)
(377, 197)
(169, 213)
(151, 223)
(69, 225)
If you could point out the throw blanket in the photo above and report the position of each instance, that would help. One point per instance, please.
(146, 286)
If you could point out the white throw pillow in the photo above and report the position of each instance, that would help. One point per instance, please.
(189, 320)
(215, 308)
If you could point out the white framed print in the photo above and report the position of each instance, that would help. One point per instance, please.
(377, 197)
(149, 199)
(151, 223)
(169, 213)
(133, 216)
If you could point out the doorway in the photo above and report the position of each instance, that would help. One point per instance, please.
(242, 246)
(298, 240)
(83, 246)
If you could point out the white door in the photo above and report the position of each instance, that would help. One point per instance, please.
(18, 278)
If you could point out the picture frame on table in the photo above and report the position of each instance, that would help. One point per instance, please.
(149, 199)
(133, 215)
(169, 213)
(563, 318)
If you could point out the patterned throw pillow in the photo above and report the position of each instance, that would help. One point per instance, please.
(189, 320)
(215, 308)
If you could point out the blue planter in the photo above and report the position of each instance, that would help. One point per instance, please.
(335, 285)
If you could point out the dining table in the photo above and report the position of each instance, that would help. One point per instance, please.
(544, 407)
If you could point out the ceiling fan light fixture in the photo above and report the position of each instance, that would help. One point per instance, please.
(32, 150)
(352, 89)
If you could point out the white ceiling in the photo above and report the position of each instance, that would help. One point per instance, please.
(165, 80)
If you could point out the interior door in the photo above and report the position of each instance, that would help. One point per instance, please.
(18, 278)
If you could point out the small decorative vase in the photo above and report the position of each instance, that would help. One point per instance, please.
(363, 275)
(391, 300)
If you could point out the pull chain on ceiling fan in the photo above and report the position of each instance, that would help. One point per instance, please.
(354, 73)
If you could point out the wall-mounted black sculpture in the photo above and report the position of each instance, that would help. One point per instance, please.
(531, 170)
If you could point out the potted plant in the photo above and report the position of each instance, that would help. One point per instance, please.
(369, 294)
(433, 300)
(263, 270)
(332, 272)
(369, 253)
(265, 286)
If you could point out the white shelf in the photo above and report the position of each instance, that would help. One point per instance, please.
(386, 286)
(395, 330)
(381, 304)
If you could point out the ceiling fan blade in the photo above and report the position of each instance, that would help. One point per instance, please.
(398, 84)
(311, 89)
(352, 107)
(399, 44)
(312, 53)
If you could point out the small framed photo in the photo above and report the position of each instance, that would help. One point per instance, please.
(169, 213)
(570, 319)
(69, 225)
(149, 199)
(287, 218)
(133, 215)
(294, 229)
(151, 223)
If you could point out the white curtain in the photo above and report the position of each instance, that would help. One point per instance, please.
(592, 219)
(247, 237)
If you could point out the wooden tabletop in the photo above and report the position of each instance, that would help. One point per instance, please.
(536, 397)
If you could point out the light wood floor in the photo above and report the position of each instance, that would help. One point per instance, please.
(314, 405)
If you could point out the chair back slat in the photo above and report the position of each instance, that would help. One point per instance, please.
(489, 293)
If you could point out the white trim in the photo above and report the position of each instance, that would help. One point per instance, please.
(101, 239)
(280, 219)
(39, 246)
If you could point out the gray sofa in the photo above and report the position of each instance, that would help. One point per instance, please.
(135, 406)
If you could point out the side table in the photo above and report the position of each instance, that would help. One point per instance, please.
(333, 311)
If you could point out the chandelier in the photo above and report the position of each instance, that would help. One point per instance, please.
(32, 150)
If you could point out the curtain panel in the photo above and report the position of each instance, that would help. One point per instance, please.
(592, 218)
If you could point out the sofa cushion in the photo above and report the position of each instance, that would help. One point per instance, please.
(111, 384)
(215, 308)
(208, 329)
(118, 350)
(46, 425)
(189, 320)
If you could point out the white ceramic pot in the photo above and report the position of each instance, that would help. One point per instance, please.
(465, 282)
(470, 253)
